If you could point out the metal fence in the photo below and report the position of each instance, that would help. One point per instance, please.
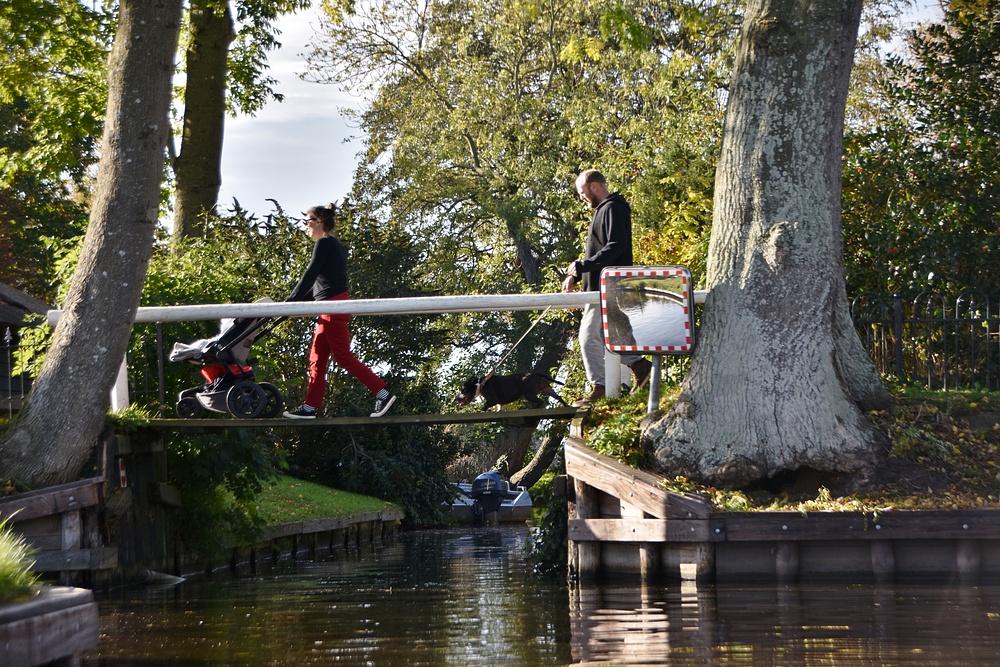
(13, 387)
(939, 341)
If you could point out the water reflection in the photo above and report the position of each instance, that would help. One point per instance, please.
(462, 597)
(468, 597)
(786, 625)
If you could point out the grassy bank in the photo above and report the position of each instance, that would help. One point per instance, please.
(295, 500)
(945, 455)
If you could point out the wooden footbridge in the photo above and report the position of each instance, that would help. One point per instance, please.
(512, 417)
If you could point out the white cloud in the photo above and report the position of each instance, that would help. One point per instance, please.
(295, 151)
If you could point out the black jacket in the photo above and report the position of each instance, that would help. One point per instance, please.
(326, 275)
(609, 241)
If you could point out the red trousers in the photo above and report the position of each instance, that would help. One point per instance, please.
(333, 337)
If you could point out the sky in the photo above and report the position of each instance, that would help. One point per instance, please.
(302, 152)
(295, 151)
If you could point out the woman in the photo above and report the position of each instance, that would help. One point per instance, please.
(325, 279)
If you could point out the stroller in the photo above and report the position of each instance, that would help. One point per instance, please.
(230, 385)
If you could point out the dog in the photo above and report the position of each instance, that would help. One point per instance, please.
(499, 390)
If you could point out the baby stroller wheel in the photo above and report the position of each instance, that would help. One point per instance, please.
(188, 408)
(274, 403)
(245, 400)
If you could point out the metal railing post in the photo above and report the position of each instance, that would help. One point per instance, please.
(612, 374)
(161, 371)
(119, 392)
(8, 342)
(653, 404)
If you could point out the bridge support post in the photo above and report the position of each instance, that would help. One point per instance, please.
(119, 392)
(612, 374)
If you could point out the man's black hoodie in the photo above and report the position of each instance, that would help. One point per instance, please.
(609, 241)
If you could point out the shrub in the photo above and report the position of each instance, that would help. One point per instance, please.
(16, 578)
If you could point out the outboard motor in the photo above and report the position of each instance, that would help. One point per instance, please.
(489, 491)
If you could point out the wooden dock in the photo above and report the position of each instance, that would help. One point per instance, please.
(52, 628)
(622, 522)
(61, 524)
(514, 417)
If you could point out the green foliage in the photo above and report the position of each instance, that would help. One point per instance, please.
(220, 477)
(481, 115)
(17, 581)
(549, 534)
(52, 97)
(404, 465)
(132, 418)
(617, 431)
(242, 258)
(52, 78)
(922, 184)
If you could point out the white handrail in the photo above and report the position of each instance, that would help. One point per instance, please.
(416, 305)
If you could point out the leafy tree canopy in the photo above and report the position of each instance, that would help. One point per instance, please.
(480, 115)
(52, 97)
(922, 185)
(250, 87)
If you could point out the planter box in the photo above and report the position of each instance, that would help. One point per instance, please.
(56, 625)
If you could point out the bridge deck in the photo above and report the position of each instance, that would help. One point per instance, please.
(516, 417)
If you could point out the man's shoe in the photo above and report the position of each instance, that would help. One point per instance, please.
(596, 394)
(640, 371)
(382, 405)
(302, 412)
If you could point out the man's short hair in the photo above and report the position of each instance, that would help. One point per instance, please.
(591, 176)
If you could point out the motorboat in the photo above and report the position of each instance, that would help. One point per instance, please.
(490, 499)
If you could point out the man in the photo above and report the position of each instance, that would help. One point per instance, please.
(609, 243)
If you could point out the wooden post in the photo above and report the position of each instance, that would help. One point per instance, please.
(968, 557)
(649, 561)
(786, 562)
(588, 554)
(883, 561)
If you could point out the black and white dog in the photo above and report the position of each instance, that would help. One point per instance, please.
(499, 390)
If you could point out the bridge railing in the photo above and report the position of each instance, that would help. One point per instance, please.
(399, 306)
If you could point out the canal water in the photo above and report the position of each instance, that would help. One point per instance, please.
(469, 597)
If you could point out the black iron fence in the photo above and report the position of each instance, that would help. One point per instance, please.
(943, 342)
(13, 387)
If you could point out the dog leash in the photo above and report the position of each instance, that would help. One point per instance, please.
(514, 346)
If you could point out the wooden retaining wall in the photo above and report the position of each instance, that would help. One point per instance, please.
(52, 628)
(61, 524)
(72, 543)
(312, 539)
(623, 523)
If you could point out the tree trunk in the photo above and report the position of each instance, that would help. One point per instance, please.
(198, 168)
(529, 475)
(55, 434)
(779, 374)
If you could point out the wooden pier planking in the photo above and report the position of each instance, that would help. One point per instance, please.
(622, 522)
(635, 487)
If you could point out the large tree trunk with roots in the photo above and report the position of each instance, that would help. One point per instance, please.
(779, 381)
(56, 433)
(198, 168)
